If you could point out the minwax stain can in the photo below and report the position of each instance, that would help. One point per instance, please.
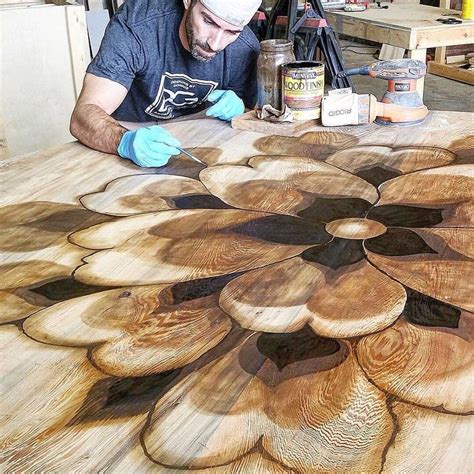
(303, 88)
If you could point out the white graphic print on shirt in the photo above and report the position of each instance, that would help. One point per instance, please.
(178, 91)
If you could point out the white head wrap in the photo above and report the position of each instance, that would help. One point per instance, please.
(235, 12)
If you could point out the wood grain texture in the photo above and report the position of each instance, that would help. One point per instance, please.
(143, 193)
(422, 365)
(439, 272)
(46, 385)
(450, 188)
(287, 296)
(13, 307)
(175, 246)
(452, 452)
(263, 184)
(300, 305)
(33, 241)
(274, 391)
(134, 331)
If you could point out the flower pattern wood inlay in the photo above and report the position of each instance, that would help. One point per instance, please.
(305, 306)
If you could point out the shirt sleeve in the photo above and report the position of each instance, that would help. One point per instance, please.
(242, 73)
(120, 56)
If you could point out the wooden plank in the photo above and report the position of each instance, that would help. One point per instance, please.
(451, 71)
(419, 30)
(456, 59)
(3, 140)
(434, 37)
(224, 318)
(420, 55)
(359, 28)
(440, 54)
(420, 16)
(78, 44)
(47, 75)
(391, 52)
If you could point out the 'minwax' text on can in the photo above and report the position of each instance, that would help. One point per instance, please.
(303, 88)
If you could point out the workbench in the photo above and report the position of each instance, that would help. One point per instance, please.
(301, 304)
(412, 27)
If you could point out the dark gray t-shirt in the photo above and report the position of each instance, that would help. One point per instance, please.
(142, 51)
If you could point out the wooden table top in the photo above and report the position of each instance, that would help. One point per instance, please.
(408, 26)
(301, 304)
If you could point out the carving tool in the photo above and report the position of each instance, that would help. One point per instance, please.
(190, 155)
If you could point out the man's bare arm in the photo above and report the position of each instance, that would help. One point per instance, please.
(91, 122)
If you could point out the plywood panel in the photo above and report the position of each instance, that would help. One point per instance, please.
(42, 63)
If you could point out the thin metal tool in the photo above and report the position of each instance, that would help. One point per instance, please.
(182, 150)
(449, 21)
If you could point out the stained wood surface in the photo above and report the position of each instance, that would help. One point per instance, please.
(302, 304)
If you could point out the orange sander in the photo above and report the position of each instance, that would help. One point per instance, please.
(401, 104)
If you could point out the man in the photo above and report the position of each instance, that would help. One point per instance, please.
(160, 59)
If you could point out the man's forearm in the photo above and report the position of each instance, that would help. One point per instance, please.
(95, 128)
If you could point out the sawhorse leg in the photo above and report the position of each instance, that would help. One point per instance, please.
(419, 54)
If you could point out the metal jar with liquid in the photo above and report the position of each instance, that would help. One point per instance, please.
(273, 53)
(303, 88)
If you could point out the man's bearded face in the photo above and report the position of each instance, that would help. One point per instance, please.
(207, 34)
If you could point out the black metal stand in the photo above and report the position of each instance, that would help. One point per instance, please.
(309, 31)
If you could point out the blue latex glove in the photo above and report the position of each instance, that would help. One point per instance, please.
(227, 105)
(148, 146)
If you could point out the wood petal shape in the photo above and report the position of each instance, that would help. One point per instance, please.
(464, 149)
(111, 442)
(351, 301)
(284, 393)
(142, 193)
(312, 144)
(12, 307)
(135, 331)
(446, 441)
(44, 388)
(377, 164)
(446, 274)
(24, 269)
(282, 184)
(228, 146)
(33, 226)
(448, 187)
(426, 366)
(33, 241)
(185, 245)
(103, 435)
